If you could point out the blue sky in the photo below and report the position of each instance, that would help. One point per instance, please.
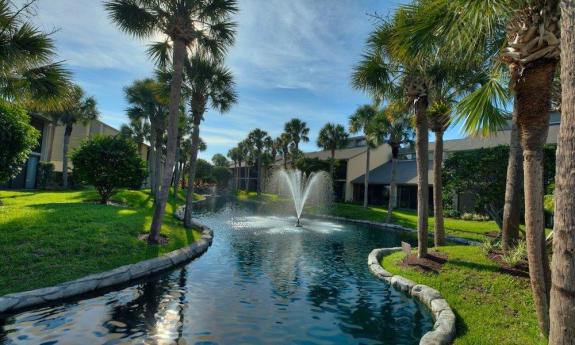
(291, 59)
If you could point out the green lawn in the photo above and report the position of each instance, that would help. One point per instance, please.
(491, 307)
(469, 229)
(253, 196)
(51, 237)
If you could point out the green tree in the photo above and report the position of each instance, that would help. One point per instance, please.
(220, 160)
(298, 132)
(221, 176)
(332, 137)
(108, 163)
(138, 131)
(17, 139)
(282, 144)
(364, 120)
(28, 74)
(256, 141)
(235, 155)
(187, 25)
(78, 108)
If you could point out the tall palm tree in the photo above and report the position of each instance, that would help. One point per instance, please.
(257, 140)
(282, 144)
(395, 124)
(234, 156)
(27, 73)
(523, 35)
(186, 154)
(78, 108)
(298, 131)
(183, 128)
(138, 131)
(243, 158)
(332, 137)
(563, 266)
(364, 120)
(439, 119)
(187, 24)
(208, 84)
(148, 104)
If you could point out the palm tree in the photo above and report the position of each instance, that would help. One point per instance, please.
(138, 131)
(28, 74)
(396, 125)
(183, 128)
(364, 120)
(235, 155)
(208, 84)
(186, 154)
(148, 104)
(563, 266)
(257, 141)
(78, 108)
(187, 25)
(523, 35)
(439, 118)
(243, 157)
(298, 131)
(332, 137)
(282, 144)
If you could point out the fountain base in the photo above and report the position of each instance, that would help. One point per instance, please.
(298, 225)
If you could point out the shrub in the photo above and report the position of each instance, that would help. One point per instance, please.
(475, 217)
(516, 255)
(45, 171)
(221, 175)
(489, 246)
(108, 163)
(17, 139)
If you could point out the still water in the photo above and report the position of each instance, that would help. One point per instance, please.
(263, 281)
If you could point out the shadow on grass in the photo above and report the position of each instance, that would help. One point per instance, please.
(475, 266)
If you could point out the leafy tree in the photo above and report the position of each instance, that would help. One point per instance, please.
(204, 171)
(108, 163)
(78, 108)
(187, 26)
(257, 140)
(220, 160)
(298, 131)
(17, 139)
(221, 175)
(332, 137)
(309, 165)
(28, 74)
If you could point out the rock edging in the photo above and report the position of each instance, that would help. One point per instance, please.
(396, 227)
(22, 300)
(444, 327)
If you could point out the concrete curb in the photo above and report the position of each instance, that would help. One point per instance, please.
(22, 300)
(444, 329)
(396, 227)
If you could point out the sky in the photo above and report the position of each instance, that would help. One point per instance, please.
(290, 59)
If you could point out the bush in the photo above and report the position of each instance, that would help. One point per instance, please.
(17, 139)
(221, 176)
(474, 216)
(489, 246)
(108, 163)
(45, 172)
(516, 255)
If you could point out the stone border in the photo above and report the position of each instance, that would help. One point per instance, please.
(23, 300)
(396, 227)
(444, 328)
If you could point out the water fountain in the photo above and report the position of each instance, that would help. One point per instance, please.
(313, 188)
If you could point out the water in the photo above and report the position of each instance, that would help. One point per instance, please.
(263, 281)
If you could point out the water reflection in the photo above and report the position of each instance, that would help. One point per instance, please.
(262, 282)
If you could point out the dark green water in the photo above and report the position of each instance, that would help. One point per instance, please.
(263, 281)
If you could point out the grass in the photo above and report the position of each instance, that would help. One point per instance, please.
(469, 229)
(48, 238)
(253, 196)
(491, 307)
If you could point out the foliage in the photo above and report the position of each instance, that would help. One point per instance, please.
(516, 255)
(488, 246)
(549, 204)
(309, 165)
(203, 170)
(332, 137)
(474, 216)
(78, 108)
(221, 176)
(108, 163)
(73, 236)
(297, 131)
(45, 171)
(220, 160)
(17, 139)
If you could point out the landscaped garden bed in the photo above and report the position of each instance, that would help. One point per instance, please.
(52, 237)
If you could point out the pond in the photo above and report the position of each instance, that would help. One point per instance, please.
(263, 281)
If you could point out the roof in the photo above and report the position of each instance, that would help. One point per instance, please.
(339, 154)
(406, 173)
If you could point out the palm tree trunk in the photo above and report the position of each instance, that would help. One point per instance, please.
(332, 164)
(152, 162)
(259, 181)
(422, 153)
(67, 134)
(285, 161)
(177, 167)
(562, 312)
(366, 178)
(179, 56)
(439, 234)
(533, 93)
(158, 161)
(239, 174)
(511, 210)
(392, 184)
(192, 171)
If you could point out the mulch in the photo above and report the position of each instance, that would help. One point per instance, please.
(431, 263)
(163, 239)
(520, 270)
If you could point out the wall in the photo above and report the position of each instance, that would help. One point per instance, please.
(356, 166)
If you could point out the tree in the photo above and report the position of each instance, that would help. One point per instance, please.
(187, 25)
(186, 155)
(235, 155)
(364, 120)
(439, 119)
(282, 144)
(563, 266)
(220, 160)
(17, 139)
(78, 108)
(108, 163)
(332, 137)
(28, 74)
(298, 131)
(523, 35)
(138, 131)
(221, 176)
(256, 140)
(148, 105)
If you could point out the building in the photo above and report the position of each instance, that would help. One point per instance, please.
(50, 147)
